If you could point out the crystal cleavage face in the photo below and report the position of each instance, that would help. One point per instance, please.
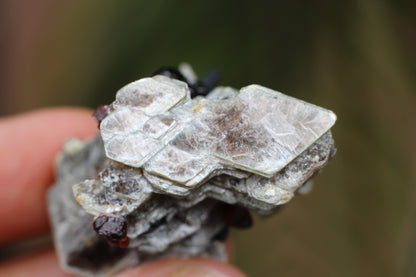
(165, 163)
(180, 143)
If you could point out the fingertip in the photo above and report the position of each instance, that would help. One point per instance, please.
(29, 143)
(38, 263)
(184, 267)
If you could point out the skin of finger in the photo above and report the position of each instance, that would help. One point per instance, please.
(28, 145)
(44, 263)
(40, 263)
(184, 267)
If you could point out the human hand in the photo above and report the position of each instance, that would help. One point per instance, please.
(28, 146)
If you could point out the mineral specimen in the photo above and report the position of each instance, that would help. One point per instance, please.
(169, 173)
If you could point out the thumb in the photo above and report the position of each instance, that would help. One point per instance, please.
(184, 267)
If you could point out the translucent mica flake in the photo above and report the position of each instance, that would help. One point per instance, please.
(169, 174)
(257, 130)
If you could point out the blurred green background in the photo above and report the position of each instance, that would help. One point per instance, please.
(354, 57)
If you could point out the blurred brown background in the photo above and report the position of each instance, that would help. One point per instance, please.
(354, 57)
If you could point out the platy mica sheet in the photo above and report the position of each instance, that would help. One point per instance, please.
(169, 167)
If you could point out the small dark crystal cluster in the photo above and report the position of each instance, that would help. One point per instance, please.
(177, 162)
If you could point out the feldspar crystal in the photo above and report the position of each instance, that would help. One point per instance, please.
(169, 173)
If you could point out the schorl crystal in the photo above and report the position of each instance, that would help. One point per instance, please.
(169, 174)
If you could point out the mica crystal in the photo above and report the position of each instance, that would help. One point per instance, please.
(180, 170)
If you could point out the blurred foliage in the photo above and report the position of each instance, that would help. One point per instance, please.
(354, 57)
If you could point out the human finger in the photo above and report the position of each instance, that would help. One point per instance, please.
(184, 267)
(41, 263)
(44, 263)
(28, 145)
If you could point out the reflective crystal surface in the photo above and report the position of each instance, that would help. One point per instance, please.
(167, 163)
